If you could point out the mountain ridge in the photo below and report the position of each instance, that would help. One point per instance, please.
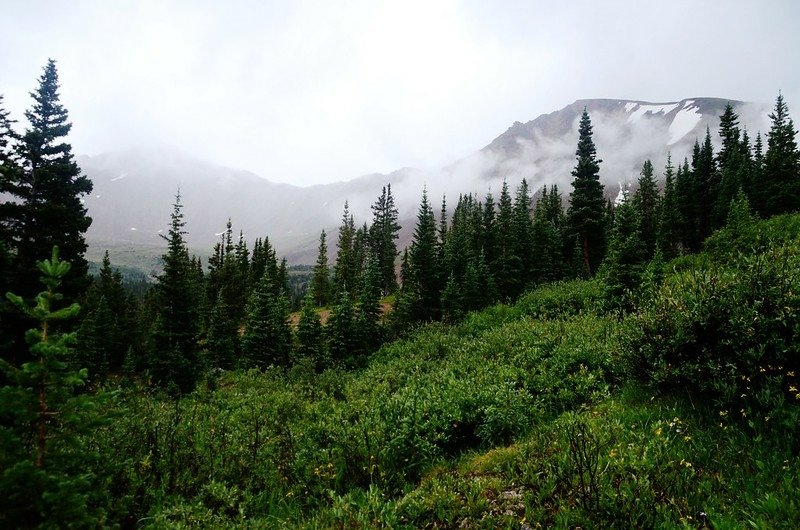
(134, 190)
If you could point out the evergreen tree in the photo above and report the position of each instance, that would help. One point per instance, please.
(626, 255)
(342, 337)
(585, 219)
(222, 340)
(423, 264)
(320, 282)
(310, 336)
(105, 333)
(50, 191)
(686, 193)
(523, 234)
(647, 204)
(669, 222)
(41, 190)
(267, 338)
(779, 188)
(383, 235)
(44, 468)
(732, 167)
(173, 336)
(344, 271)
(367, 326)
(705, 176)
(507, 266)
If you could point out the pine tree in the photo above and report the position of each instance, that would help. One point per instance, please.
(507, 267)
(105, 333)
(344, 271)
(42, 206)
(423, 264)
(669, 221)
(704, 172)
(523, 234)
(340, 331)
(647, 204)
(173, 336)
(320, 282)
(367, 326)
(222, 342)
(43, 465)
(731, 165)
(626, 255)
(51, 191)
(383, 235)
(779, 188)
(310, 334)
(585, 219)
(267, 338)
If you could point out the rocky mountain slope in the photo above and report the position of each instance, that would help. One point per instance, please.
(134, 190)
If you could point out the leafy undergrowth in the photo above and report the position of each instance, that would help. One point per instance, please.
(548, 413)
(626, 462)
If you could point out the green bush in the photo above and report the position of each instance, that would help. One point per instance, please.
(729, 333)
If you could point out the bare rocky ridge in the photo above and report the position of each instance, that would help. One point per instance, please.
(134, 191)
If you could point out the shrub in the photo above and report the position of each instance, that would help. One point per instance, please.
(726, 332)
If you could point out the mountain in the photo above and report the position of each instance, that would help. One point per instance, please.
(134, 190)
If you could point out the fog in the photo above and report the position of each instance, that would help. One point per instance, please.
(318, 92)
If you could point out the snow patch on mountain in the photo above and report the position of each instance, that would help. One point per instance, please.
(684, 121)
(650, 109)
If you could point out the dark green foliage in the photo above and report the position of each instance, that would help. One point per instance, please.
(507, 266)
(343, 341)
(778, 190)
(310, 336)
(585, 218)
(669, 223)
(321, 283)
(382, 238)
(173, 355)
(267, 338)
(424, 278)
(42, 206)
(734, 165)
(648, 206)
(346, 271)
(626, 255)
(105, 334)
(44, 480)
(222, 337)
(725, 331)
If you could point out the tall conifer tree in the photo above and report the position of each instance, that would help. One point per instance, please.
(585, 219)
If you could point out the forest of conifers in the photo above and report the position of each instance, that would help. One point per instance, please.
(543, 357)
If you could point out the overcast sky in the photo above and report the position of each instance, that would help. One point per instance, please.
(309, 92)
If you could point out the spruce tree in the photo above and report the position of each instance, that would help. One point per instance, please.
(669, 221)
(310, 334)
(45, 472)
(173, 336)
(367, 327)
(647, 204)
(423, 264)
(507, 267)
(344, 271)
(383, 235)
(585, 219)
(267, 337)
(626, 255)
(779, 188)
(41, 188)
(50, 189)
(340, 330)
(523, 234)
(320, 282)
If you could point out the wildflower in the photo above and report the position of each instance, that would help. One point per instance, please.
(658, 431)
(762, 370)
(687, 438)
(790, 373)
(723, 413)
(612, 453)
(792, 389)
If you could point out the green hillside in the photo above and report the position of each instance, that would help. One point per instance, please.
(555, 411)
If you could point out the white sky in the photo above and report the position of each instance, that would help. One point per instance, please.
(309, 92)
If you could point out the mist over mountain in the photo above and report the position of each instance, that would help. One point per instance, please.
(134, 190)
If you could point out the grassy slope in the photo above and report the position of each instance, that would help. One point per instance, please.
(519, 417)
